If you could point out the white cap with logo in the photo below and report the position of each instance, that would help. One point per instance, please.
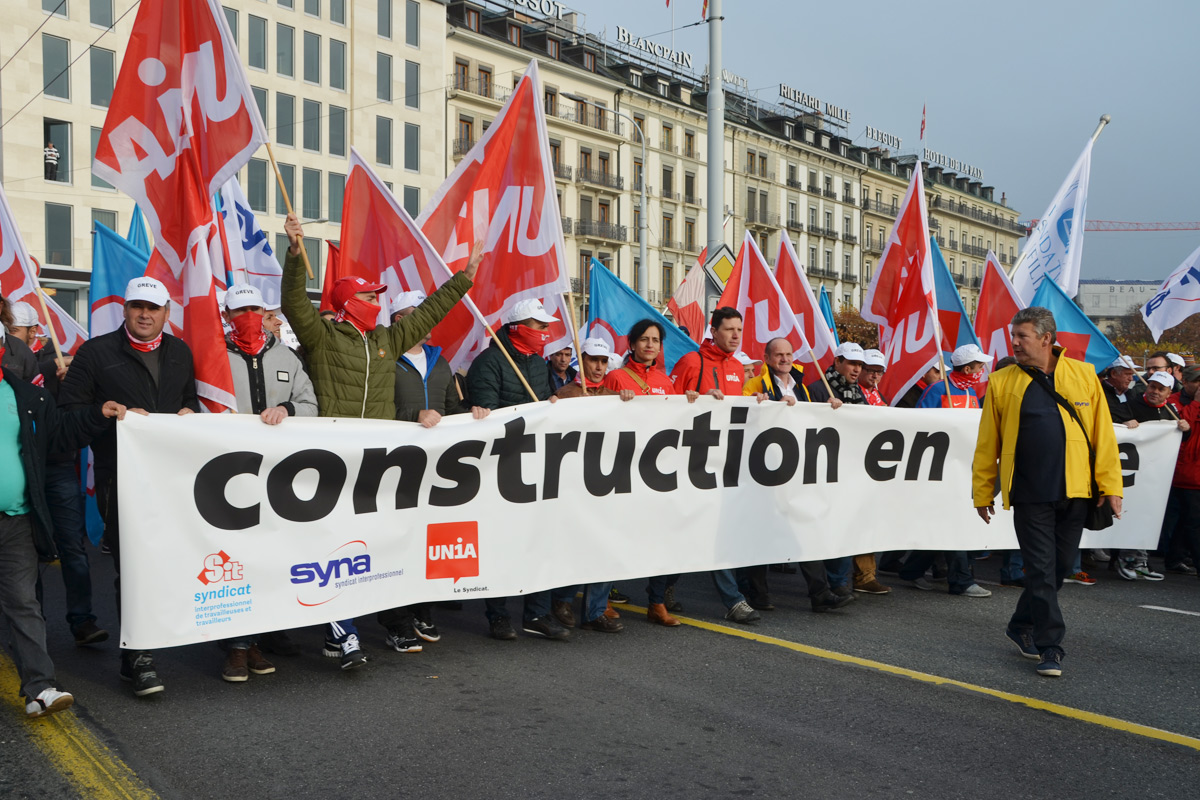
(243, 295)
(1122, 362)
(874, 358)
(24, 314)
(405, 300)
(596, 347)
(969, 354)
(1176, 359)
(147, 290)
(850, 352)
(529, 309)
(1162, 377)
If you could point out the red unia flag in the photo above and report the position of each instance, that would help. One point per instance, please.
(181, 123)
(799, 295)
(766, 315)
(503, 194)
(913, 347)
(998, 302)
(332, 264)
(18, 281)
(687, 303)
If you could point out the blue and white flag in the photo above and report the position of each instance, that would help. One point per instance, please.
(1054, 248)
(251, 259)
(1078, 334)
(613, 308)
(137, 236)
(1177, 299)
(952, 316)
(115, 262)
(827, 313)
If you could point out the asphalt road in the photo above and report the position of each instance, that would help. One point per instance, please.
(654, 712)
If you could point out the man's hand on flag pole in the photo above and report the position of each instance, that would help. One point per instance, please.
(295, 232)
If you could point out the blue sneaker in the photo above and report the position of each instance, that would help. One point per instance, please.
(1051, 664)
(1024, 642)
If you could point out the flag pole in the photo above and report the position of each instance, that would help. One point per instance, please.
(479, 315)
(812, 354)
(1146, 383)
(50, 327)
(287, 202)
(575, 334)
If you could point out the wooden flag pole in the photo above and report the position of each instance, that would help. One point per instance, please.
(812, 354)
(1146, 383)
(575, 336)
(287, 202)
(58, 354)
(479, 315)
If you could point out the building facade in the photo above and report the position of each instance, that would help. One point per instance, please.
(1104, 301)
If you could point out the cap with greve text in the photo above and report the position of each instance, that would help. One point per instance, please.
(148, 290)
(243, 296)
(850, 352)
(529, 309)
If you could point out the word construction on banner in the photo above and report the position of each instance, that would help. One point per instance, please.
(256, 528)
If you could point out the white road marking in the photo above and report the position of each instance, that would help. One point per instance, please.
(1172, 610)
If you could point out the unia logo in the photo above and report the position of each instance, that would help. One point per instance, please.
(322, 581)
(452, 550)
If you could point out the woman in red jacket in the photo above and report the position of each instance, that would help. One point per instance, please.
(642, 371)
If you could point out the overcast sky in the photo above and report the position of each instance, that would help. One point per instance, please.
(1014, 88)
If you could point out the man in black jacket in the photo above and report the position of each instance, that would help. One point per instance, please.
(30, 427)
(143, 368)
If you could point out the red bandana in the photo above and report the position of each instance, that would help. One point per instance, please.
(360, 314)
(145, 347)
(964, 381)
(248, 333)
(526, 340)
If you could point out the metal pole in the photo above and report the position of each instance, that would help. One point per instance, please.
(716, 135)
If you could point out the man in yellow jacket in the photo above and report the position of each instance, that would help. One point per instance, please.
(1041, 456)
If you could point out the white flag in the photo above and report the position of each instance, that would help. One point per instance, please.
(251, 259)
(1054, 248)
(1177, 299)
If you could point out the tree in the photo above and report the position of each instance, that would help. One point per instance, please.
(1131, 336)
(851, 327)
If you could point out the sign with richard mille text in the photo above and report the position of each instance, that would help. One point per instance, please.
(815, 104)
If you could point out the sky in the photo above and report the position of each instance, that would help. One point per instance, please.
(1014, 88)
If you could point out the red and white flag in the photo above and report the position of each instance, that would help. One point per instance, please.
(182, 122)
(333, 261)
(799, 295)
(766, 315)
(503, 194)
(913, 347)
(19, 281)
(687, 303)
(998, 302)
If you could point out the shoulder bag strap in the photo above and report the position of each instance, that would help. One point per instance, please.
(637, 379)
(1038, 377)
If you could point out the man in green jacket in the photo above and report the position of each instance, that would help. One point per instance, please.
(352, 361)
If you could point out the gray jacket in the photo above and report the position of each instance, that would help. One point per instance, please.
(274, 377)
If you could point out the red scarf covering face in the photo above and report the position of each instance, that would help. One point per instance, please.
(38, 344)
(964, 381)
(527, 340)
(248, 333)
(139, 345)
(873, 396)
(360, 314)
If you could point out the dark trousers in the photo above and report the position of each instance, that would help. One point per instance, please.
(106, 502)
(656, 588)
(403, 617)
(752, 583)
(64, 496)
(19, 605)
(958, 568)
(537, 604)
(1187, 530)
(1048, 534)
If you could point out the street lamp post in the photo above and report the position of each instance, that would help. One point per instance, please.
(642, 270)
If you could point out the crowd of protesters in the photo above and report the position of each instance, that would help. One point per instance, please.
(1046, 446)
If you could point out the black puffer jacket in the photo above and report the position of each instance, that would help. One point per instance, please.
(492, 383)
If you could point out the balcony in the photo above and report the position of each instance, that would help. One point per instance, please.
(849, 238)
(850, 276)
(830, 193)
(873, 247)
(692, 246)
(690, 152)
(562, 171)
(792, 183)
(795, 225)
(600, 178)
(667, 194)
(567, 226)
(601, 230)
(976, 283)
(959, 280)
(692, 200)
(480, 87)
(578, 286)
(668, 244)
(813, 190)
(880, 208)
(591, 118)
(935, 224)
(972, 250)
(952, 245)
(849, 199)
(760, 173)
(462, 146)
(757, 217)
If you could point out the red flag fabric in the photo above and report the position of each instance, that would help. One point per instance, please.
(766, 315)
(799, 295)
(913, 347)
(998, 302)
(182, 121)
(501, 193)
(906, 254)
(332, 265)
(687, 303)
(19, 281)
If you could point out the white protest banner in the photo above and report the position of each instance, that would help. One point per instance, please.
(233, 527)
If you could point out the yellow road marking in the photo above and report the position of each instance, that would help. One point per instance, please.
(1032, 702)
(92, 769)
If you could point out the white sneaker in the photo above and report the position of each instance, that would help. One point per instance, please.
(1125, 569)
(975, 590)
(50, 701)
(1144, 572)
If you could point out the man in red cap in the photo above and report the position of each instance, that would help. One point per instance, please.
(352, 360)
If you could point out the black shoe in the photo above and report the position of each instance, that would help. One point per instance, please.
(547, 627)
(561, 610)
(842, 591)
(1024, 642)
(352, 654)
(1017, 582)
(138, 669)
(401, 641)
(891, 567)
(1178, 567)
(426, 630)
(617, 597)
(502, 629)
(827, 601)
(278, 643)
(89, 633)
(673, 605)
(1051, 664)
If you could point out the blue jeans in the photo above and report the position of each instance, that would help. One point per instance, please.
(1012, 566)
(537, 604)
(564, 594)
(838, 570)
(656, 588)
(595, 600)
(65, 498)
(726, 582)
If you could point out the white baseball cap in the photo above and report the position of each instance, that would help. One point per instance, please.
(1122, 362)
(24, 314)
(147, 290)
(243, 295)
(969, 354)
(850, 351)
(1163, 378)
(529, 309)
(742, 357)
(596, 347)
(405, 300)
(1176, 359)
(874, 358)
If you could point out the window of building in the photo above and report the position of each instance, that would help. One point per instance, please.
(551, 102)
(750, 161)
(101, 12)
(668, 279)
(383, 141)
(312, 57)
(106, 218)
(603, 211)
(846, 262)
(58, 133)
(638, 175)
(762, 165)
(383, 77)
(589, 62)
(812, 257)
(287, 3)
(310, 193)
(762, 207)
(812, 217)
(466, 130)
(553, 49)
(102, 73)
(514, 35)
(828, 220)
(285, 50)
(312, 8)
(256, 184)
(59, 238)
(98, 183)
(846, 194)
(412, 201)
(57, 8)
(285, 120)
(311, 129)
(384, 18)
(337, 131)
(56, 60)
(689, 233)
(847, 228)
(412, 23)
(472, 19)
(412, 84)
(337, 11)
(689, 144)
(412, 147)
(337, 64)
(256, 42)
(668, 229)
(603, 161)
(260, 100)
(231, 17)
(585, 159)
(337, 191)
(812, 180)
(485, 82)
(668, 134)
(288, 173)
(281, 247)
(829, 260)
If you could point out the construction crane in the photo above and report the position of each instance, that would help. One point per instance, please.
(1109, 225)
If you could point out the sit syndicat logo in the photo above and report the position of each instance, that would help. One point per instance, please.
(452, 550)
(219, 567)
(322, 581)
